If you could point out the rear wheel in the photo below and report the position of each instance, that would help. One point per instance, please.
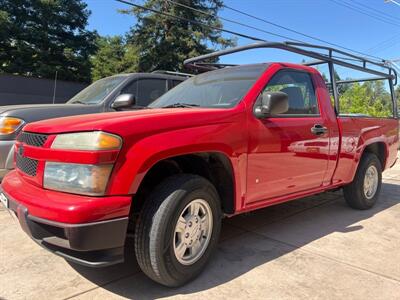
(364, 191)
(178, 229)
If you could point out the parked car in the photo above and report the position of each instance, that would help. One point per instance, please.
(221, 143)
(115, 93)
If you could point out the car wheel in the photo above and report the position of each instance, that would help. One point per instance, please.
(178, 229)
(364, 191)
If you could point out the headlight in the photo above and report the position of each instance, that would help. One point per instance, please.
(95, 140)
(76, 178)
(9, 125)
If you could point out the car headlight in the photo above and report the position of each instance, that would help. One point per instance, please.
(95, 140)
(76, 178)
(9, 125)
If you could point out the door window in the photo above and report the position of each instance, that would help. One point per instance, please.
(299, 87)
(146, 90)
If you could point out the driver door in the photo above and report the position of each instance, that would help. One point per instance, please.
(285, 156)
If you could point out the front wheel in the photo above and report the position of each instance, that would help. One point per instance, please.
(178, 229)
(364, 191)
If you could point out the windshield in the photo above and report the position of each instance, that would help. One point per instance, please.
(97, 91)
(221, 88)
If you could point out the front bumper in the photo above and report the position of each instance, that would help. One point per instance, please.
(92, 243)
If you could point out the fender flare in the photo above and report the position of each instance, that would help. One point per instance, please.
(160, 156)
(362, 148)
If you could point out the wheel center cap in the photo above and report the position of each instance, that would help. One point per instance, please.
(193, 227)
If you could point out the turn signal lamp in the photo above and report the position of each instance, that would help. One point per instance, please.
(9, 125)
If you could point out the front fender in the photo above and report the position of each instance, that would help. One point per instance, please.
(135, 161)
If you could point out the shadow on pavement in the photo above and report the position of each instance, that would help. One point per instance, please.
(246, 243)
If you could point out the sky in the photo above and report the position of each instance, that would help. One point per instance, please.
(330, 20)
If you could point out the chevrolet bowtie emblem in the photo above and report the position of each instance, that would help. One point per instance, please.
(21, 150)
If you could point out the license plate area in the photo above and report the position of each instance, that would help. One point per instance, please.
(4, 200)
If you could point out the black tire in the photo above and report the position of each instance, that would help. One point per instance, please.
(354, 192)
(155, 228)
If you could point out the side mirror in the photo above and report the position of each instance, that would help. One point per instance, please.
(272, 103)
(124, 101)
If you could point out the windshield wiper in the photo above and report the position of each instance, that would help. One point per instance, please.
(179, 104)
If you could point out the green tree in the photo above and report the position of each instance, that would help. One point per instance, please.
(38, 37)
(369, 98)
(164, 42)
(113, 56)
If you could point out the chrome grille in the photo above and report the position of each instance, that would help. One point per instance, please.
(32, 139)
(26, 165)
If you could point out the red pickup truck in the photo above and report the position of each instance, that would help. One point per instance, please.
(222, 143)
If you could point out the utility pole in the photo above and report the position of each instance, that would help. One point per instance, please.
(55, 87)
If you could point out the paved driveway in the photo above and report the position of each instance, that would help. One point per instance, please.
(315, 247)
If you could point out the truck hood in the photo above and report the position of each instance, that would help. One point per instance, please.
(136, 122)
(37, 112)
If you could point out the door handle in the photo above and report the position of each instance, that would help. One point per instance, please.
(318, 129)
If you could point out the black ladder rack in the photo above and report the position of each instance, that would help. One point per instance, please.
(321, 54)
